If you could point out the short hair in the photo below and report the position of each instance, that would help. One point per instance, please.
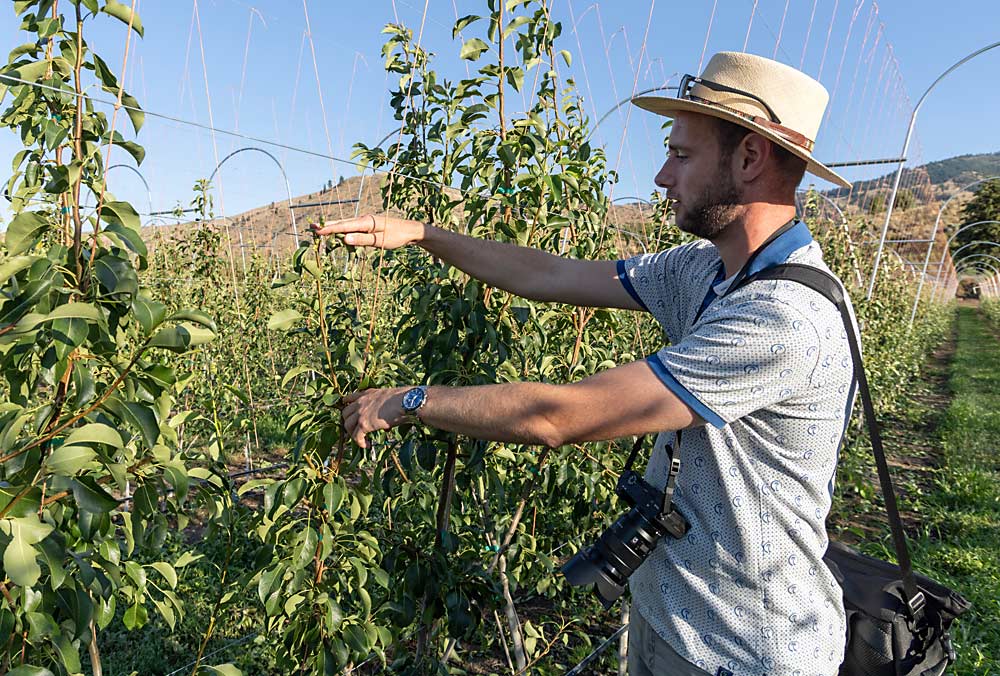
(729, 134)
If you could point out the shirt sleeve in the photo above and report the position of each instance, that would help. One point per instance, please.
(651, 280)
(739, 358)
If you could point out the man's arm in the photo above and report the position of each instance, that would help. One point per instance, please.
(526, 272)
(623, 401)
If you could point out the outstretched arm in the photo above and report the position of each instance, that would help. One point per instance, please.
(623, 401)
(526, 272)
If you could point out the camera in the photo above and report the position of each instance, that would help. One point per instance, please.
(625, 545)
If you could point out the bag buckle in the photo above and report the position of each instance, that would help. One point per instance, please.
(949, 647)
(916, 604)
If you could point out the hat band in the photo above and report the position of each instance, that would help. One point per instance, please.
(790, 135)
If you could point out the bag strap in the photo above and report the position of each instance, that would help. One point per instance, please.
(829, 287)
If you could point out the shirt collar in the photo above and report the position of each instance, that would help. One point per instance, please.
(776, 253)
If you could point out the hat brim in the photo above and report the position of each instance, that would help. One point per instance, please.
(668, 107)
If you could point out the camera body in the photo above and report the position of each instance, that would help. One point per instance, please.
(610, 561)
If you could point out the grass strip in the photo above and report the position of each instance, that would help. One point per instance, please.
(959, 532)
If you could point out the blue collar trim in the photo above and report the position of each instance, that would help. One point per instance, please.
(778, 251)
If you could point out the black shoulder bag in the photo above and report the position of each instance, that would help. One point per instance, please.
(897, 621)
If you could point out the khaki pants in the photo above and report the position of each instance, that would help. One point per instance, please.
(650, 655)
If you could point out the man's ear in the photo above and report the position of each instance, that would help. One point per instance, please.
(754, 153)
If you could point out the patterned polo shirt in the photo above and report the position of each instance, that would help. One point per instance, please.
(769, 368)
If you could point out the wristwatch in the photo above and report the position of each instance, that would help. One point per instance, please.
(413, 399)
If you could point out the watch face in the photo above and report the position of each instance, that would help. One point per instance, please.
(412, 399)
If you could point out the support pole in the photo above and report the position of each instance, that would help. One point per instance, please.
(899, 170)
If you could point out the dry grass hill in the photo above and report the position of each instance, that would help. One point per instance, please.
(269, 228)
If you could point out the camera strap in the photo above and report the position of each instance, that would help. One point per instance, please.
(634, 453)
(829, 287)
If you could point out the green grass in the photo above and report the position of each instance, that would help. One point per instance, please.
(961, 542)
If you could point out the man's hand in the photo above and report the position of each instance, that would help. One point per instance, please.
(371, 410)
(382, 232)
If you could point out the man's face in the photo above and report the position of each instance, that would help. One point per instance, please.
(699, 178)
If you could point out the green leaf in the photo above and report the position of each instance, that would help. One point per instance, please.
(282, 320)
(268, 578)
(356, 639)
(121, 213)
(95, 433)
(181, 338)
(307, 548)
(148, 312)
(221, 670)
(24, 231)
(14, 265)
(130, 238)
(462, 23)
(514, 24)
(167, 611)
(85, 311)
(91, 497)
(33, 293)
(35, 71)
(29, 670)
(116, 274)
(19, 557)
(167, 571)
(26, 505)
(123, 14)
(146, 500)
(135, 617)
(515, 76)
(68, 653)
(177, 477)
(54, 554)
(473, 49)
(135, 113)
(137, 152)
(68, 460)
(196, 317)
(83, 385)
(293, 373)
(566, 56)
(68, 335)
(186, 559)
(144, 419)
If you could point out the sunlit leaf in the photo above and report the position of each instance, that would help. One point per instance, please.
(473, 49)
(181, 337)
(14, 265)
(167, 571)
(19, 556)
(196, 317)
(95, 433)
(283, 319)
(121, 213)
(124, 14)
(24, 230)
(68, 460)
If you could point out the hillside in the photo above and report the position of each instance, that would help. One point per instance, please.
(946, 176)
(268, 229)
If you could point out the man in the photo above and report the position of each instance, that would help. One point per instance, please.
(760, 379)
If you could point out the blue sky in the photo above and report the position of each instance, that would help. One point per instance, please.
(268, 87)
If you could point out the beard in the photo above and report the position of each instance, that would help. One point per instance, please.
(711, 212)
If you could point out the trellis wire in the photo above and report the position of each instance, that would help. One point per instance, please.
(578, 669)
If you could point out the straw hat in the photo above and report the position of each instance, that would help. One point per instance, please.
(776, 101)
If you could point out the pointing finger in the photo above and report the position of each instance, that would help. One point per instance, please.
(359, 224)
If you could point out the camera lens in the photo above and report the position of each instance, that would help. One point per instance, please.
(614, 557)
